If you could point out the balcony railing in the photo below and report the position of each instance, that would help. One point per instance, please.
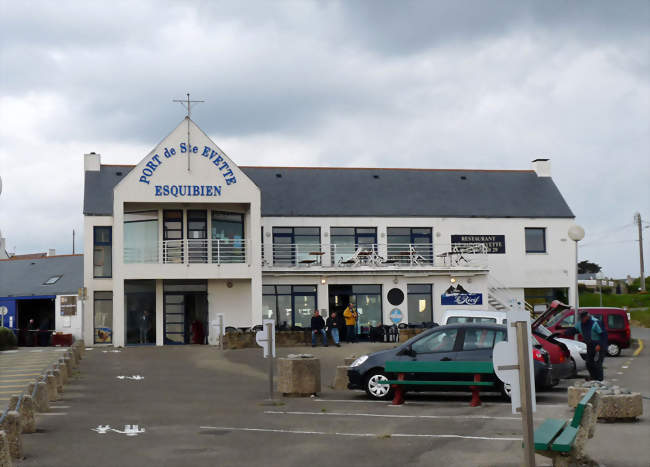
(381, 255)
(213, 251)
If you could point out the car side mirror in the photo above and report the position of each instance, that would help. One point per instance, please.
(407, 351)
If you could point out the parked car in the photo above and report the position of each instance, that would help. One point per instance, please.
(577, 350)
(615, 320)
(455, 342)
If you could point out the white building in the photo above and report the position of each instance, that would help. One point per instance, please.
(186, 234)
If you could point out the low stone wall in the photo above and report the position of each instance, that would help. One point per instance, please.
(406, 334)
(5, 457)
(246, 340)
(616, 404)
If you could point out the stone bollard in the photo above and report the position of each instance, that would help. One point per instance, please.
(52, 391)
(26, 411)
(38, 390)
(81, 345)
(299, 376)
(58, 374)
(62, 367)
(5, 457)
(341, 378)
(68, 366)
(11, 424)
(72, 355)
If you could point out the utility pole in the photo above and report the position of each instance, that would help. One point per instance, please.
(73, 241)
(637, 218)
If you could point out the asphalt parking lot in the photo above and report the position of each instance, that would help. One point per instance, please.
(198, 406)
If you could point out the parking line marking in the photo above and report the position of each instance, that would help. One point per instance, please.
(364, 435)
(639, 348)
(349, 414)
(50, 414)
(59, 406)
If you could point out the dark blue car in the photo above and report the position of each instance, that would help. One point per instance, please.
(455, 342)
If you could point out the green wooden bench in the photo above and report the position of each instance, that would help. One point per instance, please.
(475, 369)
(558, 435)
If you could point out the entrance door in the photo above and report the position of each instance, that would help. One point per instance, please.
(174, 319)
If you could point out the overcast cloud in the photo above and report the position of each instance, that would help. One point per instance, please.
(468, 84)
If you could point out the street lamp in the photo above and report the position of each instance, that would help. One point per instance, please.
(599, 277)
(576, 233)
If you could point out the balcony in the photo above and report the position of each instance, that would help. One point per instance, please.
(190, 251)
(379, 256)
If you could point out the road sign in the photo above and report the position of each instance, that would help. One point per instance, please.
(396, 315)
(261, 337)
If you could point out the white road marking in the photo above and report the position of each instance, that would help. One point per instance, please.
(37, 350)
(49, 414)
(349, 414)
(59, 406)
(619, 373)
(625, 366)
(365, 435)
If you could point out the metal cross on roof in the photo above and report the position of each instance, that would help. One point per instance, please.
(187, 103)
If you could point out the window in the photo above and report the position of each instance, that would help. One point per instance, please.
(52, 280)
(68, 305)
(477, 339)
(408, 243)
(228, 231)
(568, 322)
(441, 341)
(141, 237)
(420, 303)
(290, 306)
(535, 240)
(103, 317)
(345, 241)
(102, 252)
(292, 245)
(173, 236)
(615, 321)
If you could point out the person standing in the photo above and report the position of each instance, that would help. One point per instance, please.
(318, 327)
(144, 324)
(350, 315)
(332, 324)
(595, 336)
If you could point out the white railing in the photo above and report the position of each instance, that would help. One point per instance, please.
(147, 254)
(500, 296)
(380, 255)
(213, 251)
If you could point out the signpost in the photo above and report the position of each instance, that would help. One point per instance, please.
(3, 312)
(513, 364)
(266, 339)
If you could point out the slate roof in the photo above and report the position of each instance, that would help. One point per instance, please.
(26, 277)
(364, 192)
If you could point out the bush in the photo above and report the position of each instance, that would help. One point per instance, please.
(7, 339)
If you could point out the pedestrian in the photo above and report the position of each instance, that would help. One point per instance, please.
(332, 325)
(350, 315)
(595, 336)
(31, 333)
(144, 325)
(318, 327)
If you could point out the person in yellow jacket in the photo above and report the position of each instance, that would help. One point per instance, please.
(350, 315)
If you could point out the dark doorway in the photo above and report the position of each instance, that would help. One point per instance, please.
(367, 301)
(35, 321)
(185, 312)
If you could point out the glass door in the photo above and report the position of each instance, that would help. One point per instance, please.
(174, 318)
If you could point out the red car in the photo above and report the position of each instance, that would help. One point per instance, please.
(615, 320)
(561, 364)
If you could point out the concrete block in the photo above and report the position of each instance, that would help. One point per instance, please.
(611, 407)
(52, 391)
(298, 376)
(341, 378)
(5, 456)
(11, 425)
(26, 411)
(38, 390)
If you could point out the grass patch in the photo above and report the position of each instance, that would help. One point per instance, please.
(323, 410)
(637, 300)
(640, 318)
(384, 436)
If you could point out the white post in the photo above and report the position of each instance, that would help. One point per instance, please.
(576, 233)
(220, 316)
(269, 336)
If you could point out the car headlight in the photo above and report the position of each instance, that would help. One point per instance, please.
(359, 361)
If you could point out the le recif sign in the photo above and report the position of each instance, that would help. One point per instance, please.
(155, 161)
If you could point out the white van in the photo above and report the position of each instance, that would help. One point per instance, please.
(473, 316)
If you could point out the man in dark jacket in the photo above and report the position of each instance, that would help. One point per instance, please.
(332, 325)
(318, 327)
(595, 336)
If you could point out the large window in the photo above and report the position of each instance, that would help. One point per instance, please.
(173, 251)
(295, 245)
(420, 303)
(535, 240)
(367, 300)
(141, 237)
(228, 237)
(140, 308)
(103, 317)
(68, 305)
(345, 241)
(102, 252)
(410, 244)
(290, 306)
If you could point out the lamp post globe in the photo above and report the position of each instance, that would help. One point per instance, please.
(576, 233)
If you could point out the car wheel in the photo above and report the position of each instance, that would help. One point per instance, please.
(506, 390)
(574, 373)
(374, 389)
(613, 350)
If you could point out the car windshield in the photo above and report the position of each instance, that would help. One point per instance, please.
(543, 331)
(554, 319)
(469, 319)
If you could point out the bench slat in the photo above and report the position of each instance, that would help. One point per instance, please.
(436, 383)
(440, 367)
(580, 408)
(564, 442)
(546, 432)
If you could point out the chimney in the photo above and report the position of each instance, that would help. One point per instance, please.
(92, 162)
(51, 252)
(542, 167)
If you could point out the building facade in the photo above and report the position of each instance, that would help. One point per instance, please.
(186, 234)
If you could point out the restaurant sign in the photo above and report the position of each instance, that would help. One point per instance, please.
(495, 244)
(459, 296)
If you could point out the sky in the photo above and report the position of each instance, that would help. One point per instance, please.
(424, 84)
